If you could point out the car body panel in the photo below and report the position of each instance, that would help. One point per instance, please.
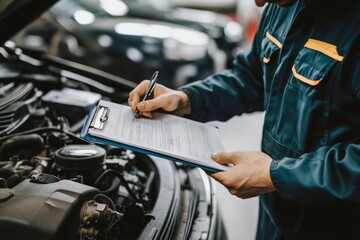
(90, 35)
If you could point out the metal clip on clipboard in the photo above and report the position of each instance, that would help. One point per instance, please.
(100, 117)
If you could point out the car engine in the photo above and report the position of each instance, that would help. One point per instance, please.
(55, 185)
(48, 171)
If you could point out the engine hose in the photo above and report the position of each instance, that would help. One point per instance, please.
(123, 181)
(13, 145)
(13, 180)
(113, 187)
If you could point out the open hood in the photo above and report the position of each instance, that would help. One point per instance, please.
(16, 14)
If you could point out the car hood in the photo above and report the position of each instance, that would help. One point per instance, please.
(16, 14)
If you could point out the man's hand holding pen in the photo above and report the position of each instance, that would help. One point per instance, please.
(159, 98)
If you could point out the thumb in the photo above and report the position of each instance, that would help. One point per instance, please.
(222, 158)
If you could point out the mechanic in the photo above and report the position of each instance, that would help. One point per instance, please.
(303, 71)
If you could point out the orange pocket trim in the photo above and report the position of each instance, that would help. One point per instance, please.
(325, 48)
(304, 79)
(273, 39)
(266, 60)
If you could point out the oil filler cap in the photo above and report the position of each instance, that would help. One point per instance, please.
(80, 157)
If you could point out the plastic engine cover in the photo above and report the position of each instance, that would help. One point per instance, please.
(43, 211)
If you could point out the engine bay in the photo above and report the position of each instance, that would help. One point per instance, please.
(45, 166)
(55, 185)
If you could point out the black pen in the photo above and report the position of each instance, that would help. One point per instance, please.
(148, 91)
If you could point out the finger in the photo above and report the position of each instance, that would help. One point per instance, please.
(147, 114)
(136, 94)
(132, 101)
(247, 194)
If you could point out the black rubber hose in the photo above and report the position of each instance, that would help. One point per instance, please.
(12, 146)
(114, 187)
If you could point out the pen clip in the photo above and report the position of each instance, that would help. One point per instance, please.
(100, 116)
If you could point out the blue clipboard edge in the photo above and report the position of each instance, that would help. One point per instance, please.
(84, 135)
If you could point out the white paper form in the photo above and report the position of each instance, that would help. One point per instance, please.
(166, 134)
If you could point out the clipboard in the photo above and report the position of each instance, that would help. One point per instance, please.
(104, 121)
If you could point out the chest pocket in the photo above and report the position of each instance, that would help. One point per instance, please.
(305, 113)
(314, 62)
(270, 48)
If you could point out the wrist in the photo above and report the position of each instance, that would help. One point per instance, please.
(184, 107)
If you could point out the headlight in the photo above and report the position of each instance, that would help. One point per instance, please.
(233, 31)
(186, 45)
(179, 43)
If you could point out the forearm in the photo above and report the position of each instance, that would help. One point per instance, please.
(231, 92)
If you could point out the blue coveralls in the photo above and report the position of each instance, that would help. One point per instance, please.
(303, 70)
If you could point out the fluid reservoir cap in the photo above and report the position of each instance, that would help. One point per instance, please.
(80, 157)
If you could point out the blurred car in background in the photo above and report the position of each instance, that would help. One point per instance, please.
(227, 7)
(244, 12)
(227, 32)
(103, 35)
(54, 185)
